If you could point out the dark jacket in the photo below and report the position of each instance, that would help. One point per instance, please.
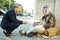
(49, 20)
(9, 19)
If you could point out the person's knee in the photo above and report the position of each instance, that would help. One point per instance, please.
(15, 26)
(41, 29)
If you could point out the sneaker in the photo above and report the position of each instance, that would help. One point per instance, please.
(6, 34)
(22, 32)
(31, 34)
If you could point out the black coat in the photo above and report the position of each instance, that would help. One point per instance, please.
(9, 19)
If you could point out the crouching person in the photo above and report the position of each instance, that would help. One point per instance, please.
(10, 22)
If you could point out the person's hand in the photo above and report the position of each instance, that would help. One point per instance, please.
(24, 22)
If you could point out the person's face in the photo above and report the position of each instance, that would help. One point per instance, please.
(44, 11)
(18, 9)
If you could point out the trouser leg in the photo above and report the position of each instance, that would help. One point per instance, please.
(10, 27)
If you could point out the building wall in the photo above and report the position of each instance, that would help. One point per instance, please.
(57, 14)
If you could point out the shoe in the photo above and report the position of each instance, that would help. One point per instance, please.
(22, 32)
(31, 34)
(6, 34)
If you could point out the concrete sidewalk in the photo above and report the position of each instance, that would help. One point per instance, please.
(16, 36)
